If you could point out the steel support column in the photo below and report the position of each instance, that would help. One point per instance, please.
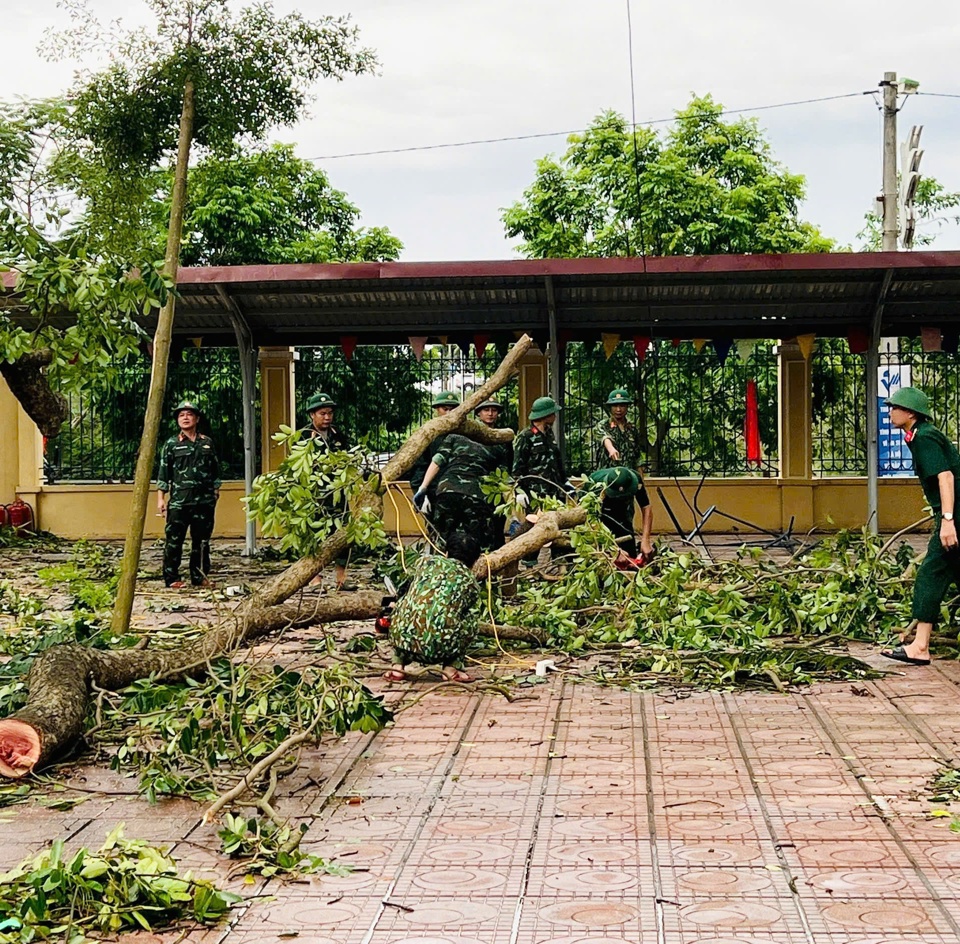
(554, 372)
(248, 393)
(872, 367)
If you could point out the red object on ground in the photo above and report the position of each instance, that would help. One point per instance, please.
(19, 516)
(751, 425)
(382, 625)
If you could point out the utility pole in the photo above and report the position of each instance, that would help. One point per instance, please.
(889, 86)
(888, 244)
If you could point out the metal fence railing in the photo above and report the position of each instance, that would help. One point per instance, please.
(689, 407)
(383, 393)
(839, 391)
(100, 439)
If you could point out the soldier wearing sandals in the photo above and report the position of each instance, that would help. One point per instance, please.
(937, 464)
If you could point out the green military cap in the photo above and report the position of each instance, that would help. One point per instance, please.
(620, 481)
(910, 398)
(187, 405)
(318, 401)
(486, 403)
(446, 398)
(543, 406)
(619, 397)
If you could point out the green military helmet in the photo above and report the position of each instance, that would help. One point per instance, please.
(619, 397)
(318, 401)
(620, 481)
(187, 404)
(446, 398)
(543, 406)
(910, 398)
(490, 402)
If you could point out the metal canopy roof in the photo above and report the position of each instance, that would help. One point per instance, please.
(679, 296)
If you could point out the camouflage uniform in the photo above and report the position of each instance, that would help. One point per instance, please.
(538, 464)
(419, 469)
(190, 473)
(436, 621)
(616, 512)
(626, 441)
(460, 504)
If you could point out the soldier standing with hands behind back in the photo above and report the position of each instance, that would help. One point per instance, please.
(188, 486)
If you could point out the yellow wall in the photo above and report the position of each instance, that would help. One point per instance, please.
(100, 511)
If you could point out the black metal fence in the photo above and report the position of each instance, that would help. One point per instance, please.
(383, 393)
(100, 439)
(839, 395)
(689, 406)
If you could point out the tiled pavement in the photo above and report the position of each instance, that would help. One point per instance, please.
(588, 815)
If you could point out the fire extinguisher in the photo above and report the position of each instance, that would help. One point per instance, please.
(19, 516)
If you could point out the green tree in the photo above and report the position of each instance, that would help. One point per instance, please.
(204, 76)
(707, 186)
(269, 206)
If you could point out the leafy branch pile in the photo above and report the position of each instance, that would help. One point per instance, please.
(745, 622)
(945, 788)
(198, 738)
(125, 885)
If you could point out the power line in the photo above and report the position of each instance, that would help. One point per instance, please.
(557, 134)
(938, 94)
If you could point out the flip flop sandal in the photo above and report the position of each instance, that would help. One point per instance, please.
(900, 655)
(457, 676)
(395, 675)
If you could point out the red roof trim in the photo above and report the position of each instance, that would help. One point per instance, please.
(526, 268)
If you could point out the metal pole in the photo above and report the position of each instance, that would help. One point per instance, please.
(553, 365)
(872, 367)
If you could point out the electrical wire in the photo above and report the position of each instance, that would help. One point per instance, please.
(557, 134)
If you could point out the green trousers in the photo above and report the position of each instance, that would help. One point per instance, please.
(935, 575)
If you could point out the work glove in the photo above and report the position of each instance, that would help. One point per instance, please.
(421, 503)
(523, 499)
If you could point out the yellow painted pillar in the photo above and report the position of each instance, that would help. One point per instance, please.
(533, 382)
(9, 444)
(796, 437)
(277, 402)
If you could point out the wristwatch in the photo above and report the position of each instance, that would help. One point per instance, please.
(948, 516)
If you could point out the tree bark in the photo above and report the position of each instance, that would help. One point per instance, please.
(28, 383)
(59, 680)
(130, 564)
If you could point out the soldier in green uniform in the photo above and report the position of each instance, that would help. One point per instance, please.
(619, 446)
(457, 469)
(489, 414)
(188, 486)
(937, 464)
(443, 403)
(436, 620)
(326, 438)
(622, 487)
(537, 462)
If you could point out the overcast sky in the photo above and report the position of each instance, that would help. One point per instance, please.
(457, 71)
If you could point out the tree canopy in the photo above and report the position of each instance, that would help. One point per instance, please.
(706, 186)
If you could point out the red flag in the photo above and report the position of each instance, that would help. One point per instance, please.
(348, 344)
(640, 344)
(480, 342)
(751, 425)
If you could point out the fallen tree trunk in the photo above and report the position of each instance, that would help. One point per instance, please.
(59, 681)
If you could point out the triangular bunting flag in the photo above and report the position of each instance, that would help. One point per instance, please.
(676, 341)
(444, 339)
(348, 344)
(930, 339)
(698, 344)
(859, 340)
(503, 346)
(745, 348)
(418, 344)
(480, 342)
(805, 343)
(722, 347)
(196, 342)
(640, 344)
(464, 346)
(610, 342)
